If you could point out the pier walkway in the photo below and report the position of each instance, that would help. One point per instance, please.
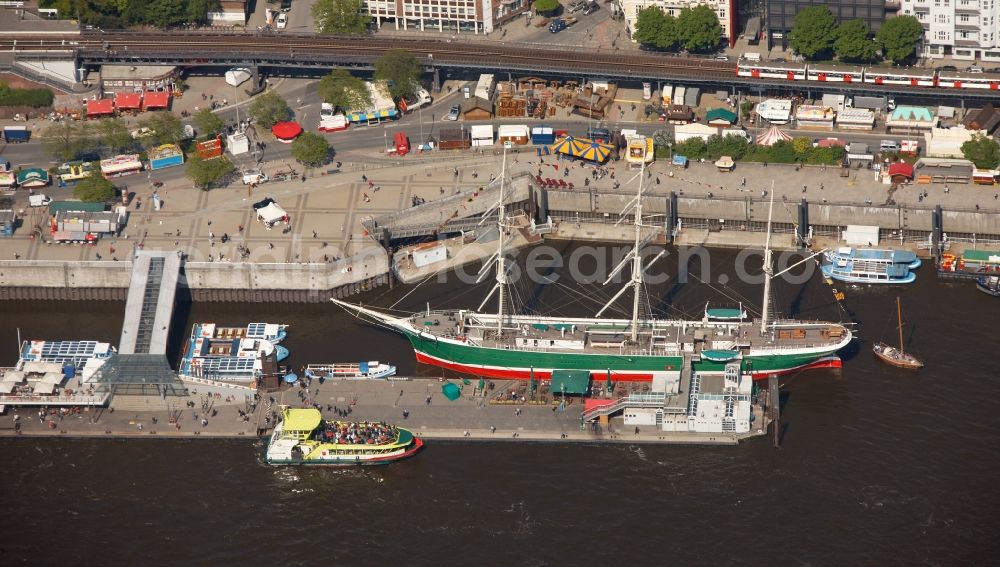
(150, 303)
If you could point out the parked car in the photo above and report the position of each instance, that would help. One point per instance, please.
(282, 21)
(454, 112)
(722, 58)
(591, 8)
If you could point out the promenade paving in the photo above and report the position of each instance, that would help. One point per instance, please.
(428, 414)
(326, 210)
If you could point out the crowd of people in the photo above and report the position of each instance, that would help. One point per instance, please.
(358, 432)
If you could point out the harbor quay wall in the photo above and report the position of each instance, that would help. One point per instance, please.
(746, 212)
(206, 281)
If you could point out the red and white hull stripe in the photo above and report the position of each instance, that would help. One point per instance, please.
(616, 375)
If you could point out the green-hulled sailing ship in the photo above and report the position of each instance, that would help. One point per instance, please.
(502, 344)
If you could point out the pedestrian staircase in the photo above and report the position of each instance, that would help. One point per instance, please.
(131, 403)
(637, 400)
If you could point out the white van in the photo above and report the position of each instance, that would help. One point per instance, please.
(254, 178)
(888, 146)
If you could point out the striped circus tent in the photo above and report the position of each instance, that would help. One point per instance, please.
(583, 148)
(773, 136)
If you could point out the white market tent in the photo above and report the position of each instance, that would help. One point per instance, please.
(271, 214)
(236, 77)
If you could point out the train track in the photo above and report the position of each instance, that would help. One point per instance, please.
(193, 46)
(282, 50)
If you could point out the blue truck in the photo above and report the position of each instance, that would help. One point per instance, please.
(559, 24)
(16, 134)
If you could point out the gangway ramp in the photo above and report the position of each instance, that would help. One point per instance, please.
(150, 304)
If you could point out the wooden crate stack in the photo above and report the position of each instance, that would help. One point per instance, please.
(510, 106)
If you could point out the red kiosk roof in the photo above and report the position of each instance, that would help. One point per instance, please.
(286, 130)
(156, 99)
(100, 107)
(901, 168)
(128, 101)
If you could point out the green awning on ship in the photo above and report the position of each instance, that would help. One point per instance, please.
(563, 327)
(574, 381)
(607, 327)
(540, 326)
(724, 313)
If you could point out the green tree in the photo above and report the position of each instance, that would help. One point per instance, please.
(692, 148)
(813, 33)
(982, 151)
(401, 70)
(94, 188)
(115, 135)
(166, 128)
(341, 89)
(340, 16)
(656, 28)
(802, 145)
(699, 28)
(68, 140)
(311, 149)
(269, 108)
(899, 37)
(205, 172)
(164, 13)
(208, 123)
(546, 7)
(746, 107)
(732, 145)
(853, 43)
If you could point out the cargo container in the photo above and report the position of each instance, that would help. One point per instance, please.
(16, 134)
(543, 135)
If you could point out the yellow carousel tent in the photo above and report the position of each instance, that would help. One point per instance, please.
(583, 148)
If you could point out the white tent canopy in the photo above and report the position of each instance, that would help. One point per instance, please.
(271, 214)
(236, 77)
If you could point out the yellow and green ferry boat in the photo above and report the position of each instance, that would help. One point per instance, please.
(303, 437)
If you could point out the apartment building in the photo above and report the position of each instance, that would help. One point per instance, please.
(476, 16)
(963, 29)
(724, 9)
(781, 14)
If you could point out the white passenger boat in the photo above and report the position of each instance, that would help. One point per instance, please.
(351, 370)
(871, 265)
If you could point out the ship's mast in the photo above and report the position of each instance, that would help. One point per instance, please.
(768, 270)
(501, 262)
(637, 268)
(899, 317)
(636, 258)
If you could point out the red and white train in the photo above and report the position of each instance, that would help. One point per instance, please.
(828, 73)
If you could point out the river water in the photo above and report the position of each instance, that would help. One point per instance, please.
(877, 466)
